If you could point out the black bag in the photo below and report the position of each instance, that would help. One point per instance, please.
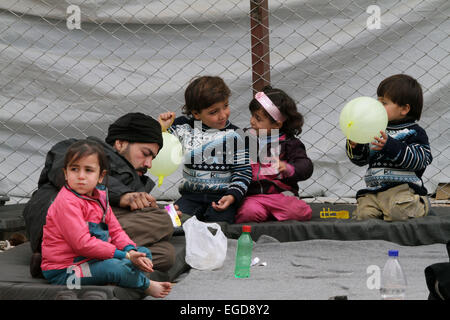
(438, 279)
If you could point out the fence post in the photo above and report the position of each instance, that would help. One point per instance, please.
(259, 26)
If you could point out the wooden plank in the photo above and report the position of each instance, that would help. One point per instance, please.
(259, 26)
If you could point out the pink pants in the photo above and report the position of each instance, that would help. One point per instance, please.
(264, 207)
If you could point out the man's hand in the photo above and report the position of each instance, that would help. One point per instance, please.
(166, 119)
(137, 200)
(223, 203)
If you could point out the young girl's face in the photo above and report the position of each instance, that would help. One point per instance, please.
(84, 174)
(215, 116)
(260, 121)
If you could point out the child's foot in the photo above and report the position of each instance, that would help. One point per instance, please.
(158, 289)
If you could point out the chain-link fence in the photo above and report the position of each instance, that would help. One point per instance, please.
(70, 68)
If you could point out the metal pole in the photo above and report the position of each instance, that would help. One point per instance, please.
(259, 24)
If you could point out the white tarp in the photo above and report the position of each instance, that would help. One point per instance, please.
(127, 56)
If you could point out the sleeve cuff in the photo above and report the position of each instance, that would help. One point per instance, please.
(238, 197)
(392, 147)
(119, 254)
(290, 170)
(129, 247)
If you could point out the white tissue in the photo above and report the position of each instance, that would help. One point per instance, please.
(255, 261)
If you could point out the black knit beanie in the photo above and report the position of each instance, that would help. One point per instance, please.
(135, 127)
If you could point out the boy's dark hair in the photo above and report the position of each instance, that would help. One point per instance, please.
(84, 148)
(203, 92)
(402, 90)
(293, 124)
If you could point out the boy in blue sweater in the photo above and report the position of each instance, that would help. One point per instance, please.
(216, 171)
(397, 159)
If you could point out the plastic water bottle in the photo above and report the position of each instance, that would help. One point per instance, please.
(244, 253)
(393, 280)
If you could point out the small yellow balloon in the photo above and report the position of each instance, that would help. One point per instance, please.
(362, 119)
(168, 158)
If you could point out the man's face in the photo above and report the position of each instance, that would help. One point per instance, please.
(139, 154)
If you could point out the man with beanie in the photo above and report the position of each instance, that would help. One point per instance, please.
(137, 138)
(133, 141)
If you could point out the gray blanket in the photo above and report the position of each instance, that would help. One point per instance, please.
(434, 228)
(16, 282)
(306, 270)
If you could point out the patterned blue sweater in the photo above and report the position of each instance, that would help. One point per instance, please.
(215, 161)
(403, 159)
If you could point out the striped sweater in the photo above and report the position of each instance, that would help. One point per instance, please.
(215, 161)
(403, 159)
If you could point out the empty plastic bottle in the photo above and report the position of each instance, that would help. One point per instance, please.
(244, 254)
(393, 280)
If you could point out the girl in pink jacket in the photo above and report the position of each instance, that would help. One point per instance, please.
(82, 234)
(279, 161)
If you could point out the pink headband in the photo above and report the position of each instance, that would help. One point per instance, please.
(269, 106)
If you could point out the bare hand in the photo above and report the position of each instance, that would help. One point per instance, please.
(137, 200)
(380, 141)
(140, 260)
(223, 203)
(166, 119)
(177, 209)
(271, 166)
(282, 165)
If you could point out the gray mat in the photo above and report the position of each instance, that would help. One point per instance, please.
(434, 228)
(431, 229)
(309, 270)
(16, 282)
(328, 263)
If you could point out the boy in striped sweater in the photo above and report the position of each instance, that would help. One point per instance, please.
(216, 171)
(397, 159)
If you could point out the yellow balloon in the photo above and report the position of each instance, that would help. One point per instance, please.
(168, 158)
(362, 119)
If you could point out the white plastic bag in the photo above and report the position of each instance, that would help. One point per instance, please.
(204, 251)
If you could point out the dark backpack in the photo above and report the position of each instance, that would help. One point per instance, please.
(35, 212)
(437, 277)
